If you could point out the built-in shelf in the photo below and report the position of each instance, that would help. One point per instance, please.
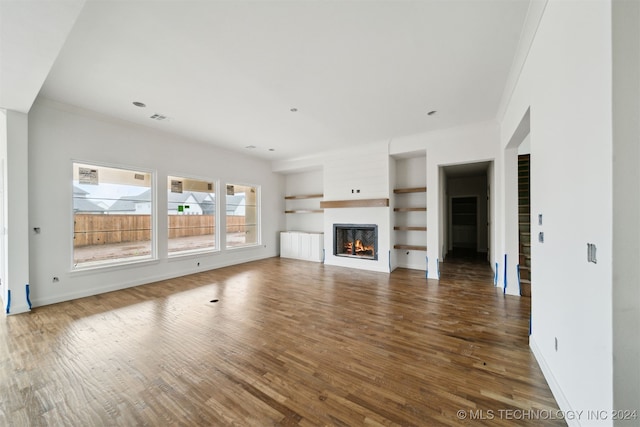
(410, 228)
(411, 247)
(304, 210)
(297, 211)
(409, 209)
(358, 203)
(410, 190)
(304, 196)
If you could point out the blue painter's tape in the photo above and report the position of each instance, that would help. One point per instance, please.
(8, 301)
(505, 274)
(426, 271)
(323, 255)
(389, 260)
(519, 284)
(530, 324)
(495, 278)
(438, 267)
(28, 292)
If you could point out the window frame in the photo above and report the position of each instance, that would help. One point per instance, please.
(258, 225)
(153, 220)
(216, 215)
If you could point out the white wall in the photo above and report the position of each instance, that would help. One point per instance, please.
(626, 206)
(566, 83)
(59, 134)
(15, 227)
(364, 169)
(3, 213)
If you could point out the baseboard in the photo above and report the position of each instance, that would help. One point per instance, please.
(420, 267)
(124, 285)
(561, 399)
(17, 309)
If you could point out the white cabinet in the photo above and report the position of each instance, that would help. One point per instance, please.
(302, 245)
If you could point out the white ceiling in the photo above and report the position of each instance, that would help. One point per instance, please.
(228, 72)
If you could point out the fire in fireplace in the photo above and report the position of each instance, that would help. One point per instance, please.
(355, 240)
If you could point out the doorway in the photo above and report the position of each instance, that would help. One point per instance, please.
(466, 210)
(464, 225)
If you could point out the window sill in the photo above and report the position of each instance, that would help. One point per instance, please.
(176, 256)
(112, 266)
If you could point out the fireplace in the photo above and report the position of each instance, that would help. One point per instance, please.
(355, 240)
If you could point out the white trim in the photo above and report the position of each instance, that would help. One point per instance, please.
(138, 282)
(561, 399)
(258, 217)
(153, 220)
(216, 215)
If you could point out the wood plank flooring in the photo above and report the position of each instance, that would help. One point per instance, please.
(288, 343)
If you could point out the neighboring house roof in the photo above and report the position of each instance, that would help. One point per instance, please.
(128, 203)
(204, 200)
(235, 204)
(178, 197)
(204, 197)
(82, 204)
(79, 192)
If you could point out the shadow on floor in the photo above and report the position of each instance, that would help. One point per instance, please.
(462, 263)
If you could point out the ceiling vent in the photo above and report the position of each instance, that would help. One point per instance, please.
(158, 117)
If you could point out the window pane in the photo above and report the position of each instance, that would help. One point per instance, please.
(191, 210)
(112, 211)
(242, 215)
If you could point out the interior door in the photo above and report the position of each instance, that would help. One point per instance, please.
(464, 222)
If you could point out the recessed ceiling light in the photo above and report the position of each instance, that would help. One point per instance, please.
(272, 149)
(158, 117)
(431, 113)
(139, 104)
(250, 147)
(293, 110)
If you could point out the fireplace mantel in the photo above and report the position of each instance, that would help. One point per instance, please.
(358, 203)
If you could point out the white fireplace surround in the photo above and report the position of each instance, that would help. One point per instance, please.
(379, 216)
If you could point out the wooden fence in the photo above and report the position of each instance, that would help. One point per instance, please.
(92, 229)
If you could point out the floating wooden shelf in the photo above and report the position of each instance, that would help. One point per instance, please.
(297, 211)
(409, 209)
(410, 190)
(411, 247)
(410, 228)
(304, 196)
(361, 203)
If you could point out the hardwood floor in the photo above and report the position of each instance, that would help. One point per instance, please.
(287, 343)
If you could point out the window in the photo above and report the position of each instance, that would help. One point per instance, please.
(191, 210)
(112, 215)
(242, 215)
